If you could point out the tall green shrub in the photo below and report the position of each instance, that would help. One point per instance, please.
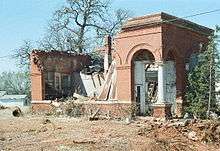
(202, 78)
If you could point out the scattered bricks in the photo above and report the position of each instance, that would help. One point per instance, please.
(42, 107)
(145, 130)
(162, 111)
(201, 126)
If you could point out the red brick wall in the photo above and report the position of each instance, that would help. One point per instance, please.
(42, 108)
(113, 110)
(127, 44)
(162, 41)
(60, 62)
(106, 109)
(162, 111)
(37, 84)
(181, 43)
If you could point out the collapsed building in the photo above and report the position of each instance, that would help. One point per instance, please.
(56, 75)
(145, 65)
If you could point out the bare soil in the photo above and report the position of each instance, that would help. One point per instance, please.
(41, 133)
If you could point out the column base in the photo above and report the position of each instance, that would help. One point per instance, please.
(162, 110)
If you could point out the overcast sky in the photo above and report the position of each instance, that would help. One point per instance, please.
(27, 19)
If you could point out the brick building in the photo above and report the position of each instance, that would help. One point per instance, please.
(160, 40)
(149, 61)
(55, 75)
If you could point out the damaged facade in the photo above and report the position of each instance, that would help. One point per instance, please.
(56, 75)
(146, 66)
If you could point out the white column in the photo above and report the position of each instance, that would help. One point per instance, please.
(161, 83)
(140, 81)
(106, 62)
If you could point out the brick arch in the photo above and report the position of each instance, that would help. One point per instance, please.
(174, 52)
(156, 53)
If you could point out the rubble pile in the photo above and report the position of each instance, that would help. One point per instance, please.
(179, 134)
(70, 106)
(190, 130)
(71, 109)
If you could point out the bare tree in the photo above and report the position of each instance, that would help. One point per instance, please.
(87, 20)
(57, 40)
(113, 22)
(22, 54)
(79, 26)
(15, 82)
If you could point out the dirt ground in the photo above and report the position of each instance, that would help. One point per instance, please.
(41, 133)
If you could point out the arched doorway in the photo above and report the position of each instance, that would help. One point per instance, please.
(144, 81)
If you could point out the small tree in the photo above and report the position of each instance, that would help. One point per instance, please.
(15, 82)
(19, 82)
(202, 79)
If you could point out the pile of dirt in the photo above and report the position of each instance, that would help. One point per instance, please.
(63, 133)
(207, 131)
(181, 134)
(173, 134)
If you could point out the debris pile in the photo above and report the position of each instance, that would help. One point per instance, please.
(71, 109)
(70, 106)
(206, 131)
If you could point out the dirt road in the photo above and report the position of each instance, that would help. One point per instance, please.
(42, 133)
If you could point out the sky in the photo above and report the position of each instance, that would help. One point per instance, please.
(28, 19)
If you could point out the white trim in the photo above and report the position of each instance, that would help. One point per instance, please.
(103, 102)
(42, 102)
(85, 102)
